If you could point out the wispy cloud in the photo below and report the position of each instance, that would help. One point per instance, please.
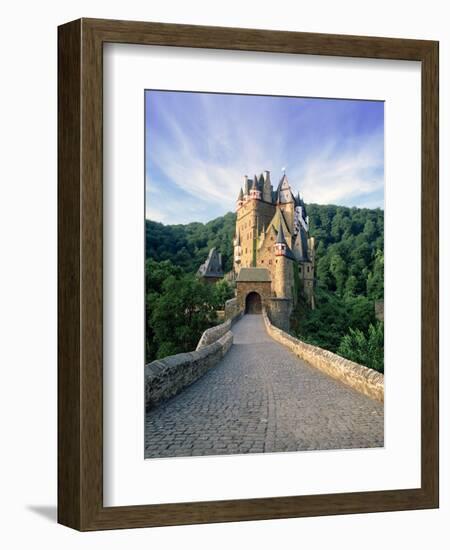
(199, 146)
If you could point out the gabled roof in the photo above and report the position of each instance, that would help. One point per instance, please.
(283, 185)
(254, 275)
(281, 240)
(283, 182)
(300, 245)
(278, 219)
(213, 265)
(280, 235)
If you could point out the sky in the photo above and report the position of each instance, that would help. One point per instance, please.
(199, 146)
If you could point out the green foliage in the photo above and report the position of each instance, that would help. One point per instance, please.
(350, 278)
(349, 253)
(366, 348)
(222, 291)
(326, 325)
(187, 246)
(375, 279)
(349, 271)
(179, 307)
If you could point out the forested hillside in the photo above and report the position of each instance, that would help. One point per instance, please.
(350, 278)
(349, 272)
(187, 246)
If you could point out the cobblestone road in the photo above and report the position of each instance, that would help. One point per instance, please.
(262, 398)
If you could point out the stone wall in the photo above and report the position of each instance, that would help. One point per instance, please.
(166, 377)
(263, 288)
(360, 378)
(280, 312)
(212, 334)
(231, 308)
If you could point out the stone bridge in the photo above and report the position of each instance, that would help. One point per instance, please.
(260, 398)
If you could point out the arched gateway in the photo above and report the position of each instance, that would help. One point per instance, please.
(253, 289)
(253, 303)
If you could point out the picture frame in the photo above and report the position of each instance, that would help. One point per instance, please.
(80, 274)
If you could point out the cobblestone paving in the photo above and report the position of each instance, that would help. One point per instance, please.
(262, 398)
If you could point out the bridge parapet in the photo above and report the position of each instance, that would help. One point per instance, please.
(232, 308)
(360, 378)
(166, 377)
(212, 334)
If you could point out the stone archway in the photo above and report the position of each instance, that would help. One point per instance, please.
(253, 303)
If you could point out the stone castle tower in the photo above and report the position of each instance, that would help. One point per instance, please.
(273, 252)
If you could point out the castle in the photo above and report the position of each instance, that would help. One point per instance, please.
(273, 252)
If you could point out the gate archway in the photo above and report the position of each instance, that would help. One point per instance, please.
(253, 303)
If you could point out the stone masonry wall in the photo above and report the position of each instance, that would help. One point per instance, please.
(212, 334)
(280, 312)
(166, 377)
(360, 378)
(244, 288)
(231, 308)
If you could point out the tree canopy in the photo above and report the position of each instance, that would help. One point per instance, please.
(187, 246)
(349, 279)
(179, 307)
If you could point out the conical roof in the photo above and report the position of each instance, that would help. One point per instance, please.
(280, 235)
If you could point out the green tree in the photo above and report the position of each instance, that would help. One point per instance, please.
(351, 286)
(365, 348)
(181, 313)
(375, 279)
(222, 292)
(338, 271)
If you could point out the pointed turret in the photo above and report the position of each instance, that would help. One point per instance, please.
(280, 243)
(281, 246)
(280, 235)
(301, 217)
(261, 181)
(240, 199)
(284, 192)
(255, 193)
(267, 187)
(246, 190)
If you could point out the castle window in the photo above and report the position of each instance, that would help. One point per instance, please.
(262, 261)
(270, 262)
(276, 261)
(308, 269)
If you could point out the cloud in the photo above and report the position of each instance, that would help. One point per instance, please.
(337, 175)
(201, 145)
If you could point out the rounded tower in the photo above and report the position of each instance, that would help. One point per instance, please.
(282, 280)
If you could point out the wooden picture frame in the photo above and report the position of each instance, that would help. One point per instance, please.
(80, 272)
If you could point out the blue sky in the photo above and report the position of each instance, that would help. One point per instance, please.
(199, 146)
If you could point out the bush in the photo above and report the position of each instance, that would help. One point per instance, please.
(365, 348)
